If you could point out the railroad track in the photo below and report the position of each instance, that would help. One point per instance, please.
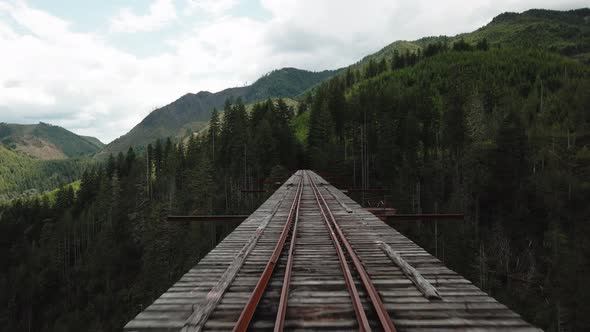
(312, 259)
(319, 280)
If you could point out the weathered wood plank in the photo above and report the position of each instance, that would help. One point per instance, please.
(212, 294)
(422, 284)
(198, 318)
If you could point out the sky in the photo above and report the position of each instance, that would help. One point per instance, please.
(98, 67)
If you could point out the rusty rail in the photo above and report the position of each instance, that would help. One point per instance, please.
(250, 307)
(352, 290)
(380, 309)
(282, 309)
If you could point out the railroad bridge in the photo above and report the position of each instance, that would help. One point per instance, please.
(310, 258)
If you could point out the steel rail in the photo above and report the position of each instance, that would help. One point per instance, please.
(282, 309)
(254, 299)
(352, 290)
(382, 313)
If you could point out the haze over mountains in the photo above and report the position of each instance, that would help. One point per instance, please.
(191, 112)
(566, 32)
(45, 141)
(41, 157)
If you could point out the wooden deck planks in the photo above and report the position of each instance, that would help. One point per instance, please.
(318, 297)
(171, 311)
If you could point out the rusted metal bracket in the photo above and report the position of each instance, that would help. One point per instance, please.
(391, 217)
(210, 218)
(254, 191)
(368, 190)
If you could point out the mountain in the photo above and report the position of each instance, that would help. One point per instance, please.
(22, 175)
(94, 141)
(501, 134)
(45, 141)
(191, 112)
(565, 32)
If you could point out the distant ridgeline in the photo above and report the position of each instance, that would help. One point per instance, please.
(478, 124)
(36, 158)
(23, 176)
(45, 141)
(492, 129)
(191, 112)
(565, 32)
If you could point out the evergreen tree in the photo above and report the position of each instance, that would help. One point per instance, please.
(461, 46)
(483, 45)
(214, 131)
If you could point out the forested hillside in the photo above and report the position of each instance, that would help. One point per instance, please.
(41, 157)
(21, 175)
(47, 142)
(502, 135)
(191, 112)
(564, 32)
(94, 258)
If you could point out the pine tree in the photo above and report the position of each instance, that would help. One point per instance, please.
(483, 45)
(214, 131)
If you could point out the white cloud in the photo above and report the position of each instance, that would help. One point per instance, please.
(77, 79)
(228, 47)
(341, 31)
(160, 13)
(50, 72)
(210, 6)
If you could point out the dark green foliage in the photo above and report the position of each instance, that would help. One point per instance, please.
(434, 49)
(322, 129)
(57, 142)
(192, 112)
(286, 82)
(21, 175)
(482, 45)
(500, 135)
(461, 46)
(375, 68)
(214, 129)
(92, 259)
(564, 32)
